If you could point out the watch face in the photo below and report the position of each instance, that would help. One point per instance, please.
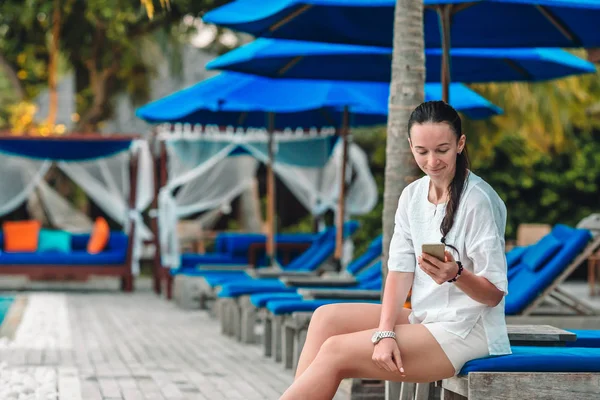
(375, 337)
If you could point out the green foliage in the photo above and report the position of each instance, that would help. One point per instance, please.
(546, 115)
(372, 141)
(305, 224)
(542, 156)
(103, 41)
(559, 188)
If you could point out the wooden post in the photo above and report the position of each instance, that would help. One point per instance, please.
(271, 191)
(163, 273)
(445, 14)
(127, 279)
(339, 233)
(157, 266)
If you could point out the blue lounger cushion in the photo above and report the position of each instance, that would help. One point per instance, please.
(240, 288)
(585, 338)
(259, 300)
(312, 257)
(221, 279)
(232, 247)
(535, 256)
(373, 251)
(280, 307)
(513, 257)
(525, 285)
(213, 278)
(369, 279)
(539, 359)
(190, 271)
(251, 286)
(514, 271)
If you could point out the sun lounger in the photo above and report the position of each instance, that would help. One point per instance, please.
(555, 261)
(538, 369)
(238, 302)
(194, 286)
(530, 372)
(544, 266)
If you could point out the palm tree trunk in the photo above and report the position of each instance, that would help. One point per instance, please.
(406, 92)
(53, 65)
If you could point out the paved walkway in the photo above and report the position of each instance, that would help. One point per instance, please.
(109, 346)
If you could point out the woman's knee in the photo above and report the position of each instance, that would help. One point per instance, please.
(332, 348)
(336, 354)
(324, 317)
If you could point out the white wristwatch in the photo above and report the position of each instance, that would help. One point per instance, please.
(378, 335)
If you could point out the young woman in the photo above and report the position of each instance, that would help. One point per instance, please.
(457, 304)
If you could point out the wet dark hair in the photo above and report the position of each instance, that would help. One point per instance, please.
(441, 112)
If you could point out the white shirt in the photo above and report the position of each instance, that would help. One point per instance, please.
(478, 234)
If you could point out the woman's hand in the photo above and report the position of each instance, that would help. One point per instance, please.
(439, 271)
(386, 355)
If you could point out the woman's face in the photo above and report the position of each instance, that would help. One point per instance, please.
(435, 147)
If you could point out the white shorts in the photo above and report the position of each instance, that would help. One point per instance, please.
(457, 349)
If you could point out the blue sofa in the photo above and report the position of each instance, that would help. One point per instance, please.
(114, 260)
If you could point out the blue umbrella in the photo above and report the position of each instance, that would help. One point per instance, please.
(475, 23)
(311, 60)
(460, 23)
(244, 100)
(241, 100)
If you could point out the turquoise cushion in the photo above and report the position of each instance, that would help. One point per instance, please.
(536, 256)
(54, 241)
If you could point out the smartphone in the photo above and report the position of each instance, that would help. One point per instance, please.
(435, 249)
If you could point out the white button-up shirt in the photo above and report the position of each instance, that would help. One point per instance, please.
(478, 234)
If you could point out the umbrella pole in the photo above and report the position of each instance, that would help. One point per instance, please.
(445, 15)
(339, 233)
(270, 192)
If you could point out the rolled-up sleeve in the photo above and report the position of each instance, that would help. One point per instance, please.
(402, 253)
(485, 243)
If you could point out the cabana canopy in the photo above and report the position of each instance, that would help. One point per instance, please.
(208, 154)
(65, 148)
(98, 164)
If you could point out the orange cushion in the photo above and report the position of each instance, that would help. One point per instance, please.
(99, 236)
(21, 236)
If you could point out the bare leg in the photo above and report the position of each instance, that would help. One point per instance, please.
(338, 319)
(349, 356)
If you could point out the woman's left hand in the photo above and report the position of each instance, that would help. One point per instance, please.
(439, 271)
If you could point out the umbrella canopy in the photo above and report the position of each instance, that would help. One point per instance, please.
(310, 60)
(475, 23)
(459, 23)
(241, 100)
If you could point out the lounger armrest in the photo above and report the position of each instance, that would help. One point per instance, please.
(312, 294)
(222, 267)
(319, 281)
(277, 273)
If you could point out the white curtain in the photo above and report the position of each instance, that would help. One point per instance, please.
(213, 168)
(20, 176)
(318, 189)
(61, 213)
(107, 182)
(211, 185)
